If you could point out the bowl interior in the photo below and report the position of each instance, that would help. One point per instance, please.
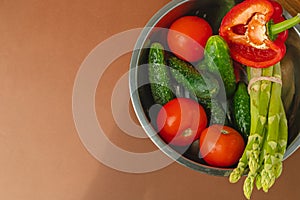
(145, 107)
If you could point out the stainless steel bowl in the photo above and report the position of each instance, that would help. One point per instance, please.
(141, 97)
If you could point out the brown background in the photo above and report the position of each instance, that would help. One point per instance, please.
(42, 45)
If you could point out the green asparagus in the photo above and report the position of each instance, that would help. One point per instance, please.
(262, 108)
(272, 154)
(282, 141)
(254, 96)
(248, 184)
(267, 142)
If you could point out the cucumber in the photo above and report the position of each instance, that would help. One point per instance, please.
(223, 8)
(214, 110)
(241, 110)
(202, 86)
(159, 76)
(218, 61)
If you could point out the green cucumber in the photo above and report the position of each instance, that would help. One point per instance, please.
(218, 61)
(200, 85)
(214, 110)
(159, 76)
(241, 109)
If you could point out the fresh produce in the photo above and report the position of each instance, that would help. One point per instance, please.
(276, 18)
(187, 37)
(225, 6)
(200, 85)
(277, 9)
(218, 61)
(275, 141)
(180, 121)
(261, 47)
(249, 35)
(214, 111)
(241, 109)
(247, 57)
(266, 113)
(159, 75)
(268, 135)
(221, 146)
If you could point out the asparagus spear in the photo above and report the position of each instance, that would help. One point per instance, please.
(248, 184)
(258, 181)
(261, 162)
(282, 141)
(268, 135)
(259, 100)
(261, 120)
(249, 181)
(272, 155)
(236, 174)
(257, 131)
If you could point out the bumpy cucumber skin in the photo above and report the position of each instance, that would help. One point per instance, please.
(218, 61)
(241, 109)
(205, 86)
(159, 76)
(214, 111)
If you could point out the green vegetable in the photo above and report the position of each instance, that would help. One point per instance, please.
(261, 120)
(268, 133)
(254, 105)
(218, 60)
(214, 110)
(202, 86)
(241, 110)
(225, 6)
(282, 142)
(276, 141)
(259, 102)
(159, 75)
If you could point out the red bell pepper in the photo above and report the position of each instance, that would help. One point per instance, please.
(249, 38)
(276, 18)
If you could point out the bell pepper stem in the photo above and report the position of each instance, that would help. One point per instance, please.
(284, 25)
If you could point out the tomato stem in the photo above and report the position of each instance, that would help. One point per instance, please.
(224, 132)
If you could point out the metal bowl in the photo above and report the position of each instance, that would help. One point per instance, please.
(142, 100)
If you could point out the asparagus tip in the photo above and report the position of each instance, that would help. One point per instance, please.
(248, 185)
(234, 176)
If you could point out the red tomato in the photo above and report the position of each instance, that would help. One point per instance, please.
(180, 121)
(221, 146)
(187, 37)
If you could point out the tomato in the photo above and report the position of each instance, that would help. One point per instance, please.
(187, 37)
(180, 121)
(221, 146)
